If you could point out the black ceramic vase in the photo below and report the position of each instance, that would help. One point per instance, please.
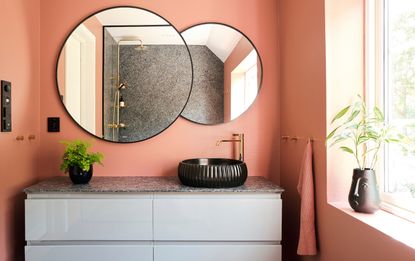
(364, 193)
(79, 176)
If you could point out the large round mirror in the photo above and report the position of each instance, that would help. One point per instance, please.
(227, 73)
(124, 74)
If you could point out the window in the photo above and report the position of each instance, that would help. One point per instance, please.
(244, 88)
(391, 66)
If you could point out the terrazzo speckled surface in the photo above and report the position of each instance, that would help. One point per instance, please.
(206, 102)
(159, 80)
(63, 184)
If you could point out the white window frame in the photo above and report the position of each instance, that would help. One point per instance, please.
(248, 102)
(375, 91)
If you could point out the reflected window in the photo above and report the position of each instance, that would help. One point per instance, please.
(227, 73)
(244, 80)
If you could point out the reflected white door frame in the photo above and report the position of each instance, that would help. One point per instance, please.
(80, 77)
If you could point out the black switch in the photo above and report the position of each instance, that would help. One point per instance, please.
(6, 87)
(6, 106)
(53, 124)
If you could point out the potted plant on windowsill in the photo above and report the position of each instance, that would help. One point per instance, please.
(366, 132)
(78, 162)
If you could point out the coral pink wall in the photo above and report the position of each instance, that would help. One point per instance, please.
(160, 155)
(302, 106)
(303, 113)
(19, 53)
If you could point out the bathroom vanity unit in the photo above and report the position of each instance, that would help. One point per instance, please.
(152, 218)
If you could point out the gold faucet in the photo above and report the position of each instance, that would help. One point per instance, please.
(241, 141)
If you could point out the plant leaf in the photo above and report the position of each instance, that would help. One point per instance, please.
(368, 151)
(76, 154)
(378, 114)
(353, 115)
(339, 139)
(372, 135)
(340, 114)
(347, 149)
(362, 139)
(392, 140)
(332, 133)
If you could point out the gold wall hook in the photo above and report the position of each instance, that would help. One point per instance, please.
(20, 138)
(31, 137)
(297, 138)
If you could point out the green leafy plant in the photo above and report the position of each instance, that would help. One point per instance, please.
(411, 187)
(366, 131)
(76, 154)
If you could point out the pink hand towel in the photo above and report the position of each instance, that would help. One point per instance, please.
(305, 187)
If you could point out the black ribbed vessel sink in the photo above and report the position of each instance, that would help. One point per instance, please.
(212, 173)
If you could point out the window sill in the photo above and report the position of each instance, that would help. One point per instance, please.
(397, 228)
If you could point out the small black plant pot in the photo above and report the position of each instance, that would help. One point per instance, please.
(364, 193)
(79, 176)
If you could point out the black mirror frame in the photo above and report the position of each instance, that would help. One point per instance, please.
(60, 52)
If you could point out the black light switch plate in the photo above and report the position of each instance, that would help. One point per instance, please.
(53, 124)
(6, 106)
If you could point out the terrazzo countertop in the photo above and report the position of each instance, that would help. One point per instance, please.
(63, 184)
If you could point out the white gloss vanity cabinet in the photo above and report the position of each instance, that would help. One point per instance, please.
(160, 220)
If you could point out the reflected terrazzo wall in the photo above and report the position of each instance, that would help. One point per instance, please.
(206, 103)
(158, 81)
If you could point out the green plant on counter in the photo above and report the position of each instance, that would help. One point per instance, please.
(76, 154)
(365, 130)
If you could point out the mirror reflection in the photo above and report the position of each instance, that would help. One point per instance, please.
(227, 73)
(124, 74)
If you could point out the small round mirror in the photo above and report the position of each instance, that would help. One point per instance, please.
(124, 74)
(227, 73)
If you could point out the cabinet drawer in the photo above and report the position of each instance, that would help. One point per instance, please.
(89, 219)
(89, 252)
(217, 253)
(217, 219)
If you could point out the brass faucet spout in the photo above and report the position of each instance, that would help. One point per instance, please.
(241, 141)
